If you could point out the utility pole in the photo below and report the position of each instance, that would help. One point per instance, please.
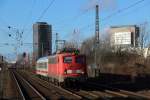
(56, 42)
(96, 31)
(97, 25)
(96, 37)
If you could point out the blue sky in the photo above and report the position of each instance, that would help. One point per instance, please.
(65, 16)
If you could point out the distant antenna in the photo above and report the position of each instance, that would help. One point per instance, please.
(97, 25)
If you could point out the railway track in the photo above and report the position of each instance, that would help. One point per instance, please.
(90, 95)
(82, 94)
(21, 95)
(53, 91)
(27, 91)
(103, 93)
(119, 92)
(145, 92)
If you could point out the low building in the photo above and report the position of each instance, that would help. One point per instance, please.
(124, 36)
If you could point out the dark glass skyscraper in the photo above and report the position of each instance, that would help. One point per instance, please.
(42, 39)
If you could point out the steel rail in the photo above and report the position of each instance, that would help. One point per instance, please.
(19, 88)
(35, 90)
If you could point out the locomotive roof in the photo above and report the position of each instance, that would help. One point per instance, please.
(43, 59)
(63, 54)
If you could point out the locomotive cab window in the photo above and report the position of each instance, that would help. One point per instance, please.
(80, 59)
(42, 65)
(68, 59)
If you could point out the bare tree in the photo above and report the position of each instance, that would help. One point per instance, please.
(144, 35)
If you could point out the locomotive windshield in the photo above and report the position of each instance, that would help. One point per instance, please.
(80, 60)
(67, 59)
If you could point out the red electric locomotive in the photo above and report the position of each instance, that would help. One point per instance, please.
(66, 66)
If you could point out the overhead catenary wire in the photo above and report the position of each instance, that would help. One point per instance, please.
(42, 15)
(45, 10)
(26, 24)
(115, 13)
(4, 25)
(123, 9)
(29, 15)
(112, 15)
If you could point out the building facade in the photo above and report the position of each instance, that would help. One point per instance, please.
(42, 39)
(124, 36)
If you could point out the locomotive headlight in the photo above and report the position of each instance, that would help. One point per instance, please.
(69, 71)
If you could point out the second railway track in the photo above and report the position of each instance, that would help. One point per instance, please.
(119, 92)
(68, 93)
(85, 94)
(27, 91)
(49, 90)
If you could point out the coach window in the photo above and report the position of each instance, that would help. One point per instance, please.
(39, 65)
(67, 59)
(45, 65)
